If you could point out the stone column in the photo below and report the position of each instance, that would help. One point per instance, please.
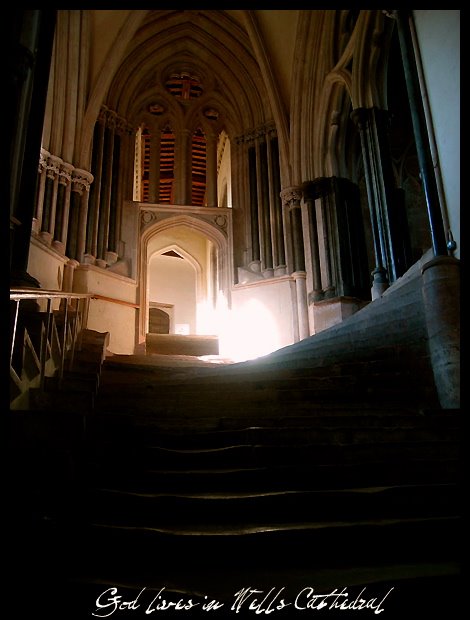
(63, 207)
(255, 262)
(263, 205)
(76, 241)
(241, 206)
(106, 187)
(111, 254)
(376, 196)
(291, 197)
(277, 225)
(50, 198)
(291, 200)
(42, 173)
(69, 270)
(211, 169)
(311, 192)
(300, 278)
(95, 194)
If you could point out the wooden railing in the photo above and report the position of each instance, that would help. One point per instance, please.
(45, 330)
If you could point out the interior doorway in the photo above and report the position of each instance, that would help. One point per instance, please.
(161, 318)
(172, 284)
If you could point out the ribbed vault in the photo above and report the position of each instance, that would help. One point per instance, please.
(209, 43)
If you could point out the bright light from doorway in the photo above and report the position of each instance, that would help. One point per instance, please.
(247, 332)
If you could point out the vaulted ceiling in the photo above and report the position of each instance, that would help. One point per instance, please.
(213, 45)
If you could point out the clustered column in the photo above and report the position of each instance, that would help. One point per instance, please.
(386, 211)
(265, 207)
(291, 200)
(54, 203)
(100, 222)
(334, 238)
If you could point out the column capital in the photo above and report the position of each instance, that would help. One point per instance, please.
(359, 117)
(362, 116)
(53, 166)
(111, 119)
(291, 196)
(317, 188)
(65, 173)
(43, 157)
(81, 180)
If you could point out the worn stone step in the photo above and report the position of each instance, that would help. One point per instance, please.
(121, 507)
(327, 544)
(329, 430)
(329, 415)
(230, 405)
(74, 381)
(180, 344)
(78, 401)
(411, 470)
(300, 454)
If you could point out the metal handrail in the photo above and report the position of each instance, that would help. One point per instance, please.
(73, 323)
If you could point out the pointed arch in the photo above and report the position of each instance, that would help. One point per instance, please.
(210, 232)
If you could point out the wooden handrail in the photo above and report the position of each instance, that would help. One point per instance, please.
(113, 300)
(36, 293)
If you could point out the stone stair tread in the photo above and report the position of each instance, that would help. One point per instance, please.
(242, 530)
(368, 490)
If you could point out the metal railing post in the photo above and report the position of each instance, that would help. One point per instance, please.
(44, 343)
(64, 341)
(13, 335)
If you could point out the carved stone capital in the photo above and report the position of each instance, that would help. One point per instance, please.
(317, 188)
(53, 166)
(102, 116)
(122, 126)
(81, 180)
(111, 120)
(291, 196)
(65, 173)
(359, 117)
(43, 157)
(262, 131)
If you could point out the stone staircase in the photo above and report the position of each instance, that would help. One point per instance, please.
(201, 482)
(281, 486)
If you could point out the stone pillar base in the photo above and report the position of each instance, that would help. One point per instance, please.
(45, 236)
(102, 264)
(88, 259)
(441, 297)
(329, 312)
(58, 246)
(379, 283)
(111, 257)
(280, 270)
(69, 269)
(268, 273)
(255, 265)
